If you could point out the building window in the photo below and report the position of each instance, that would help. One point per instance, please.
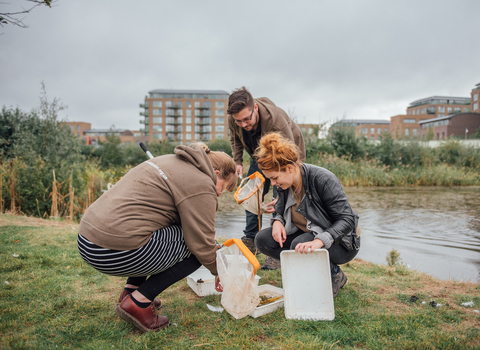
(412, 121)
(168, 104)
(219, 104)
(219, 128)
(169, 128)
(364, 131)
(219, 112)
(219, 120)
(188, 136)
(157, 112)
(71, 128)
(407, 131)
(441, 115)
(443, 135)
(197, 104)
(188, 104)
(180, 104)
(78, 127)
(475, 106)
(157, 120)
(386, 130)
(157, 104)
(180, 136)
(424, 110)
(188, 128)
(441, 109)
(458, 109)
(188, 112)
(372, 130)
(379, 130)
(157, 128)
(475, 97)
(372, 137)
(438, 136)
(219, 136)
(449, 109)
(465, 110)
(188, 120)
(207, 104)
(414, 132)
(157, 136)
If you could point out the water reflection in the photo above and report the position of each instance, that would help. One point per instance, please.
(436, 230)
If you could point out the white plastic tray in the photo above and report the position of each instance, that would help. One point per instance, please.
(207, 287)
(307, 285)
(266, 309)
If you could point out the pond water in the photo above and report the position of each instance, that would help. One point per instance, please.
(436, 230)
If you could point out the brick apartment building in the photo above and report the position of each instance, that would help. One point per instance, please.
(405, 126)
(451, 125)
(185, 116)
(83, 129)
(372, 129)
(476, 98)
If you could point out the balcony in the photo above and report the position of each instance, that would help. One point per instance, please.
(203, 107)
(174, 107)
(145, 114)
(144, 105)
(431, 110)
(144, 130)
(203, 132)
(203, 115)
(173, 132)
(144, 121)
(174, 123)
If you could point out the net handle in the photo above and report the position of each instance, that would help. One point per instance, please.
(245, 251)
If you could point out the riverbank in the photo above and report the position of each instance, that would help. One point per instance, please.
(49, 298)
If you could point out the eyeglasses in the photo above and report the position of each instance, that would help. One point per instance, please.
(246, 120)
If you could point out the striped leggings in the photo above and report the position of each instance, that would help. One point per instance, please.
(165, 258)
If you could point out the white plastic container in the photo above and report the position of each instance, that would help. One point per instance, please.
(266, 309)
(204, 288)
(307, 285)
(207, 287)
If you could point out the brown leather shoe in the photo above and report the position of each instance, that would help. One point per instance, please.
(146, 319)
(157, 303)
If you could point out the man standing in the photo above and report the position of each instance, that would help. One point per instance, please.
(248, 120)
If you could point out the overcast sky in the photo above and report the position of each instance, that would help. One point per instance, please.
(321, 60)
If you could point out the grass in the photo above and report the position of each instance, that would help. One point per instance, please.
(54, 300)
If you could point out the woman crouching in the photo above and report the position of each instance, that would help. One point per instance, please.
(312, 209)
(157, 222)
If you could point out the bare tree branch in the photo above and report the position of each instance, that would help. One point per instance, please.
(13, 18)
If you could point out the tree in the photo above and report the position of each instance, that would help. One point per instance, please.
(14, 17)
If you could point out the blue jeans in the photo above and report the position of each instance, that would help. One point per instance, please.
(251, 228)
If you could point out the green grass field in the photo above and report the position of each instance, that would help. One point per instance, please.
(50, 299)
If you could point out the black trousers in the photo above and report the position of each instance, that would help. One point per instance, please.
(268, 246)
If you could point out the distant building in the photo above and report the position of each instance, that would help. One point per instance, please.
(185, 115)
(127, 137)
(439, 106)
(460, 124)
(77, 128)
(372, 129)
(404, 126)
(476, 99)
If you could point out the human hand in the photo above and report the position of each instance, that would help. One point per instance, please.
(239, 171)
(309, 246)
(270, 206)
(218, 285)
(278, 233)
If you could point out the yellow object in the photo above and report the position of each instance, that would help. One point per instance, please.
(250, 194)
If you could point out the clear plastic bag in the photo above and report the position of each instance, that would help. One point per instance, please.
(250, 194)
(237, 267)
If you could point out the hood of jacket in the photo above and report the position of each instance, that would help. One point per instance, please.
(196, 155)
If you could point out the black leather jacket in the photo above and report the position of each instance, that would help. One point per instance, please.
(325, 204)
